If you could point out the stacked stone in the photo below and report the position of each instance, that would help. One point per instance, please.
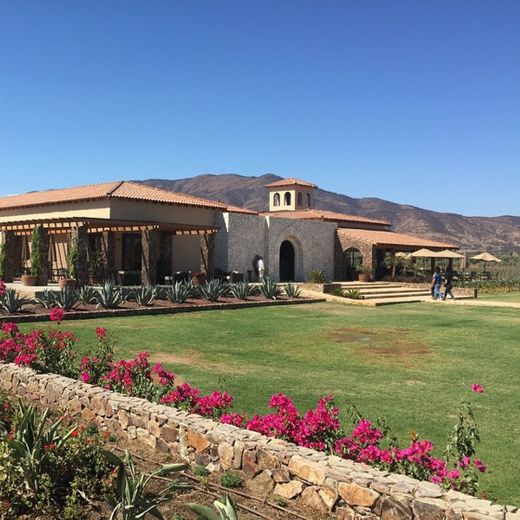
(348, 490)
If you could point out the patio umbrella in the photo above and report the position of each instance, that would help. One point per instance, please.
(486, 257)
(423, 253)
(448, 254)
(402, 254)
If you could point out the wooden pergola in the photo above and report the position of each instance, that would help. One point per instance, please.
(55, 226)
(78, 228)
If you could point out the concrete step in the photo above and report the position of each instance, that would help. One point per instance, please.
(393, 295)
(387, 290)
(367, 285)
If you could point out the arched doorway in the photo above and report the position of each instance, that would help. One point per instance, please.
(353, 259)
(287, 262)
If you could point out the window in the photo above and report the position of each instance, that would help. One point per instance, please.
(300, 197)
(276, 199)
(308, 200)
(287, 198)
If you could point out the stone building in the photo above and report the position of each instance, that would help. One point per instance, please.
(145, 235)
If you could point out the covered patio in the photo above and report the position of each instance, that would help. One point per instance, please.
(356, 247)
(133, 251)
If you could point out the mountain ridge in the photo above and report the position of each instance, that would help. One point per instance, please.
(472, 233)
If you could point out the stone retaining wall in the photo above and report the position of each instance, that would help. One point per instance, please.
(270, 466)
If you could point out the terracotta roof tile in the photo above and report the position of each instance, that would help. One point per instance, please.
(290, 181)
(238, 209)
(389, 238)
(124, 190)
(137, 191)
(320, 214)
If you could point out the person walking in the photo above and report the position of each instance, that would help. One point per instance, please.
(261, 269)
(448, 284)
(436, 283)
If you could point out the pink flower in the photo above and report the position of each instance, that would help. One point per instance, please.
(480, 466)
(101, 332)
(56, 314)
(3, 288)
(479, 389)
(85, 377)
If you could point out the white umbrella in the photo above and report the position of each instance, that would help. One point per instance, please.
(448, 254)
(423, 253)
(486, 257)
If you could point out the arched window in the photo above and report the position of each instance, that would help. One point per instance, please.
(353, 260)
(300, 197)
(308, 200)
(287, 198)
(276, 199)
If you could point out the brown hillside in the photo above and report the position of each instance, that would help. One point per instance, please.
(497, 234)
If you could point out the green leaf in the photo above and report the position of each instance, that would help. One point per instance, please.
(204, 512)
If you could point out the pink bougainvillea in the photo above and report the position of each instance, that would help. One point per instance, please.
(479, 389)
(3, 288)
(56, 314)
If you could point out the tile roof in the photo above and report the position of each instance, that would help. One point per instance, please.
(238, 209)
(291, 181)
(390, 238)
(123, 190)
(320, 214)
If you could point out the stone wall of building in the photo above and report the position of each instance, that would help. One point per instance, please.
(341, 243)
(313, 242)
(240, 238)
(337, 487)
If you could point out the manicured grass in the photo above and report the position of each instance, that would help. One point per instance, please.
(411, 363)
(501, 296)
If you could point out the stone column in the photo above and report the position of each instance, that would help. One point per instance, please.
(165, 257)
(108, 250)
(80, 235)
(12, 256)
(150, 244)
(207, 254)
(44, 257)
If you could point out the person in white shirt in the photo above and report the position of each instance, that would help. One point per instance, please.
(260, 268)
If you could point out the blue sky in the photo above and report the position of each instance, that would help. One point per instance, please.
(410, 101)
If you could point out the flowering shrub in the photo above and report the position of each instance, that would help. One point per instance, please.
(317, 429)
(216, 405)
(134, 377)
(93, 368)
(49, 351)
(3, 288)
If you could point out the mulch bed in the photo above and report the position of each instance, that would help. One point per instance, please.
(34, 312)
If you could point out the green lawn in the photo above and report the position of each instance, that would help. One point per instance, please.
(501, 296)
(411, 363)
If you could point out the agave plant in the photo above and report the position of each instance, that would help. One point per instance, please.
(270, 289)
(110, 295)
(213, 290)
(353, 294)
(11, 302)
(29, 444)
(193, 290)
(88, 294)
(292, 290)
(242, 290)
(178, 292)
(145, 295)
(67, 298)
(47, 299)
(226, 510)
(130, 499)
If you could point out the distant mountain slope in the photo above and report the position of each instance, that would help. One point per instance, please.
(497, 234)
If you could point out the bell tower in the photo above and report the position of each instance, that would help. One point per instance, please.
(291, 195)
